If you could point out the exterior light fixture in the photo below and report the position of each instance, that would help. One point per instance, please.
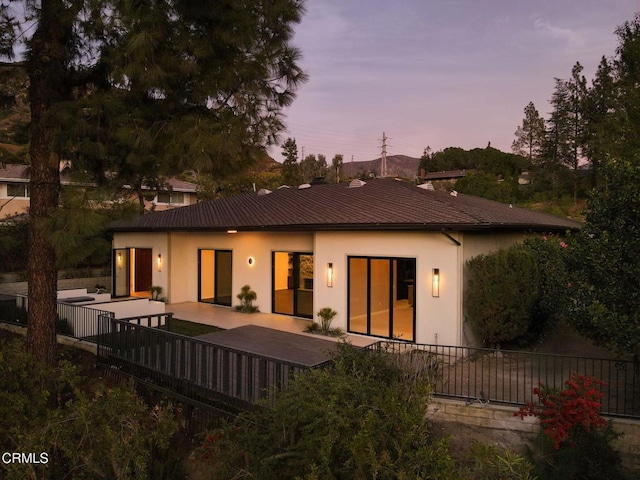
(251, 261)
(119, 259)
(232, 230)
(329, 274)
(435, 288)
(159, 262)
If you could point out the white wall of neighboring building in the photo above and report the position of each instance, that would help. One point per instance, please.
(437, 318)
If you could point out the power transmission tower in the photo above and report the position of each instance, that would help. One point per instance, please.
(383, 166)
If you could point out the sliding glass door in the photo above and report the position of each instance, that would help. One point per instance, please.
(382, 297)
(214, 278)
(292, 281)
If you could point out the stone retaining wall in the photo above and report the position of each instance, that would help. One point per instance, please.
(497, 424)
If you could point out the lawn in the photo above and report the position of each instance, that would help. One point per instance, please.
(191, 329)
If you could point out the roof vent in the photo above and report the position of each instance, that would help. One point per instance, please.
(303, 186)
(357, 183)
(283, 186)
(454, 193)
(427, 186)
(264, 191)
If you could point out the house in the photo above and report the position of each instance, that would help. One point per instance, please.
(14, 190)
(446, 179)
(388, 256)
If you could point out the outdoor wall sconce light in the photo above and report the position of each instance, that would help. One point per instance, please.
(329, 274)
(251, 261)
(232, 231)
(119, 259)
(435, 288)
(159, 262)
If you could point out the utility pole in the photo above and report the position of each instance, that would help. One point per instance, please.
(383, 166)
(302, 157)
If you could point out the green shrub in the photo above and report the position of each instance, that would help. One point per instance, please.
(518, 294)
(363, 418)
(502, 290)
(247, 297)
(493, 463)
(108, 434)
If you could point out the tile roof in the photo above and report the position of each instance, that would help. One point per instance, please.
(381, 204)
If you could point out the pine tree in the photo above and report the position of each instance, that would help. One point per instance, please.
(290, 166)
(144, 89)
(530, 136)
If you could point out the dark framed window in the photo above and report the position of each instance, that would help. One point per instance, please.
(172, 198)
(381, 297)
(18, 190)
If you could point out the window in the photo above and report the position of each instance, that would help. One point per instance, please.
(173, 198)
(17, 190)
(382, 297)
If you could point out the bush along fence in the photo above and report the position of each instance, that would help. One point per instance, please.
(193, 370)
(510, 377)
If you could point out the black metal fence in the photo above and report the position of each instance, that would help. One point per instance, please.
(190, 368)
(509, 377)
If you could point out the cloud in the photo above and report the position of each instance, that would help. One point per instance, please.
(572, 38)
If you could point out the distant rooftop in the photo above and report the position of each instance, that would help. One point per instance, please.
(446, 174)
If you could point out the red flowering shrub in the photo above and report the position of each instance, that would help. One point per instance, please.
(561, 412)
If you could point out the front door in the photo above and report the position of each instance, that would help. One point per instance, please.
(132, 272)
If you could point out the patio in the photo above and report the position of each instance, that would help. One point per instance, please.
(227, 318)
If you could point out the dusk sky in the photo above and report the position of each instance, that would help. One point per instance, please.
(437, 72)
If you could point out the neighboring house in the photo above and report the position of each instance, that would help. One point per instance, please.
(179, 194)
(387, 255)
(445, 179)
(14, 191)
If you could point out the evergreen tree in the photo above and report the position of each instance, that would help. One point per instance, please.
(290, 166)
(308, 168)
(600, 102)
(145, 88)
(530, 135)
(425, 163)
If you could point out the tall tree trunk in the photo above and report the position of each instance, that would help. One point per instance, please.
(46, 75)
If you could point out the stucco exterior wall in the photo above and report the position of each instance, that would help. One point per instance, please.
(159, 245)
(437, 319)
(11, 205)
(475, 243)
(183, 260)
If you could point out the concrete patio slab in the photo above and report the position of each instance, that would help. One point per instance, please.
(228, 318)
